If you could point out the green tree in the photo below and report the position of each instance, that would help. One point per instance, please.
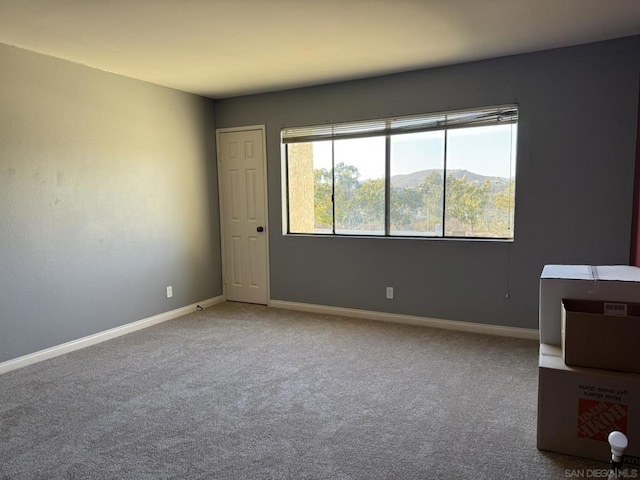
(466, 200)
(323, 205)
(360, 205)
(503, 203)
(346, 183)
(369, 200)
(432, 191)
(406, 208)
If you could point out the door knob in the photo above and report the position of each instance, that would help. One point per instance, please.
(260, 229)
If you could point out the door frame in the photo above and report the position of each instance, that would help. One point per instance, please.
(266, 202)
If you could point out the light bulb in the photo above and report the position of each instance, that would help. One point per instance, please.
(618, 442)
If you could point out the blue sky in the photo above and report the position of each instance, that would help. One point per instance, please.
(482, 150)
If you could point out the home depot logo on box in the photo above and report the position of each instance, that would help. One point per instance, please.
(596, 419)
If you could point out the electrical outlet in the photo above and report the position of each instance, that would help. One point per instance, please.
(169, 292)
(389, 293)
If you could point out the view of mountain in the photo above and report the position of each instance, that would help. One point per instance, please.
(416, 179)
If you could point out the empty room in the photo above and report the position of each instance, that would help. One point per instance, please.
(317, 240)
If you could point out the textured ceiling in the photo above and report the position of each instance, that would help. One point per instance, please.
(223, 48)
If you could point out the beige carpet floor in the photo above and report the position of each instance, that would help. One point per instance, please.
(248, 392)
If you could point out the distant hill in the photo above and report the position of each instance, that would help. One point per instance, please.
(417, 178)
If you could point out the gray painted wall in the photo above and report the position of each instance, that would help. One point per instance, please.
(576, 150)
(108, 194)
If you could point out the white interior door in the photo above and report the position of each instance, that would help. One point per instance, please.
(244, 214)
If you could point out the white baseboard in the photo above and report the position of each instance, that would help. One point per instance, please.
(516, 332)
(103, 336)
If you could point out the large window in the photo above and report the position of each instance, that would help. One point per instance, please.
(438, 175)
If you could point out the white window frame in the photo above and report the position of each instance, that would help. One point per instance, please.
(437, 121)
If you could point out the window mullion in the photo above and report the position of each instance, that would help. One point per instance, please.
(387, 186)
(333, 188)
(444, 187)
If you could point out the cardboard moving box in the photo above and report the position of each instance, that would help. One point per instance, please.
(615, 283)
(579, 407)
(599, 334)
